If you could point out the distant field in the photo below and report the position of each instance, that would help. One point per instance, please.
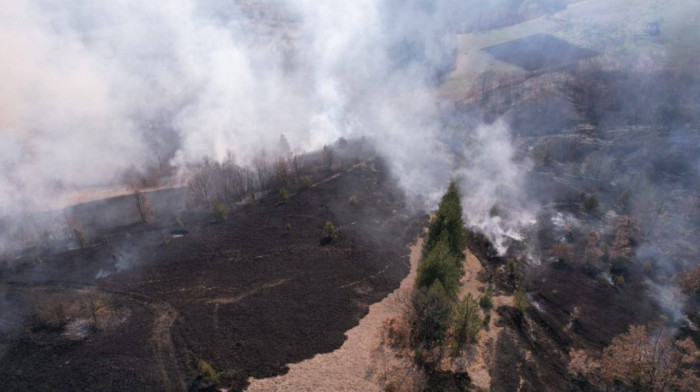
(539, 51)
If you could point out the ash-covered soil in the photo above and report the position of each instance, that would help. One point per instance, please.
(247, 295)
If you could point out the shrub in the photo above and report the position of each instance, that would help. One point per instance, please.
(396, 332)
(562, 251)
(690, 281)
(487, 319)
(306, 181)
(466, 322)
(591, 202)
(179, 223)
(53, 310)
(165, 238)
(288, 226)
(580, 365)
(81, 238)
(521, 302)
(219, 211)
(511, 266)
(591, 253)
(486, 300)
(352, 200)
(284, 194)
(329, 231)
(433, 311)
(442, 266)
(207, 372)
(74, 226)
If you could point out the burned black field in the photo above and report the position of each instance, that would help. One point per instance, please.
(539, 51)
(247, 295)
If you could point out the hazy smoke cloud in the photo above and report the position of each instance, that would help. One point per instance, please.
(84, 83)
(492, 183)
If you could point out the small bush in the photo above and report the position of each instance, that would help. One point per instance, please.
(53, 310)
(511, 266)
(207, 372)
(352, 200)
(219, 211)
(521, 302)
(81, 238)
(466, 322)
(396, 332)
(433, 313)
(179, 223)
(486, 300)
(284, 194)
(306, 181)
(440, 265)
(591, 202)
(329, 231)
(487, 319)
(289, 227)
(563, 251)
(165, 238)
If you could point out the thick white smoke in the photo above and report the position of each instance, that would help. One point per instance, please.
(82, 83)
(492, 183)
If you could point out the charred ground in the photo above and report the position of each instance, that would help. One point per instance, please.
(247, 295)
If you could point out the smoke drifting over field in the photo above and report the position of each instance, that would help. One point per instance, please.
(88, 90)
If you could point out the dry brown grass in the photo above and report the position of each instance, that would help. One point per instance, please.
(396, 333)
(56, 309)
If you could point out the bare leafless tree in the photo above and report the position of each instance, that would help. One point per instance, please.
(263, 169)
(297, 165)
(328, 155)
(143, 206)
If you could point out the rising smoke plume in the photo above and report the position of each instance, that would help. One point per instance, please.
(88, 89)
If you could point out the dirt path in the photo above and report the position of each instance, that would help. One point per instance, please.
(349, 368)
(237, 298)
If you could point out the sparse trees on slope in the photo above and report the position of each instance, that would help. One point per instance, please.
(439, 272)
(467, 321)
(563, 251)
(442, 266)
(225, 182)
(433, 309)
(328, 155)
(592, 254)
(642, 360)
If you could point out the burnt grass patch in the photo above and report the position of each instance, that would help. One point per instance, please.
(248, 295)
(538, 52)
